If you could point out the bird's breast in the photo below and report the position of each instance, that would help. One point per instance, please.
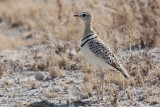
(93, 59)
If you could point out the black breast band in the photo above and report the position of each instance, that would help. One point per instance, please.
(87, 41)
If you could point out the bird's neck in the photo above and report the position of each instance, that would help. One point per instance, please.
(88, 29)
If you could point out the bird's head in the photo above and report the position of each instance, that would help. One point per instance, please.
(85, 16)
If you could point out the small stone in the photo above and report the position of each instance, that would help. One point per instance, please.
(39, 76)
(73, 52)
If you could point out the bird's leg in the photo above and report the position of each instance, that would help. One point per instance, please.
(99, 90)
(101, 82)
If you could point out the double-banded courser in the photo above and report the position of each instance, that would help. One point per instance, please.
(97, 52)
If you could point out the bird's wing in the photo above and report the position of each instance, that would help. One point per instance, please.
(100, 49)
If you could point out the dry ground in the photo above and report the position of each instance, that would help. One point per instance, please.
(41, 64)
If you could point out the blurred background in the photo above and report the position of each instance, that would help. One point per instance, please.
(29, 19)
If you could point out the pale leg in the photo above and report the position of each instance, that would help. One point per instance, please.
(101, 83)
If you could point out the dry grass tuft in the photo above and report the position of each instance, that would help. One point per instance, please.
(54, 72)
(129, 94)
(132, 81)
(119, 80)
(2, 69)
(60, 100)
(62, 74)
(155, 101)
(51, 94)
(40, 66)
(66, 87)
(17, 104)
(120, 83)
(86, 78)
(135, 72)
(86, 90)
(149, 92)
(6, 82)
(54, 95)
(14, 94)
(63, 62)
(87, 68)
(158, 74)
(68, 102)
(39, 62)
(115, 97)
(6, 87)
(140, 80)
(33, 84)
(42, 97)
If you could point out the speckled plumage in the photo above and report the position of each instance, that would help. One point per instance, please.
(101, 50)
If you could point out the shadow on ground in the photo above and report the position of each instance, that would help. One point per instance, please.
(45, 103)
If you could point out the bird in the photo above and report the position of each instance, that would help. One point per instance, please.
(97, 52)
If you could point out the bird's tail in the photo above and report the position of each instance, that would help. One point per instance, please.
(124, 72)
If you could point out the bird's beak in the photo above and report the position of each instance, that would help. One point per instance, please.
(76, 15)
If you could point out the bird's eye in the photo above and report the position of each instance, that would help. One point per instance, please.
(83, 15)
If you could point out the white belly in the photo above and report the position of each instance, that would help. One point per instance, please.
(93, 59)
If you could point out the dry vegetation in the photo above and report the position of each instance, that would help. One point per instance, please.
(43, 36)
